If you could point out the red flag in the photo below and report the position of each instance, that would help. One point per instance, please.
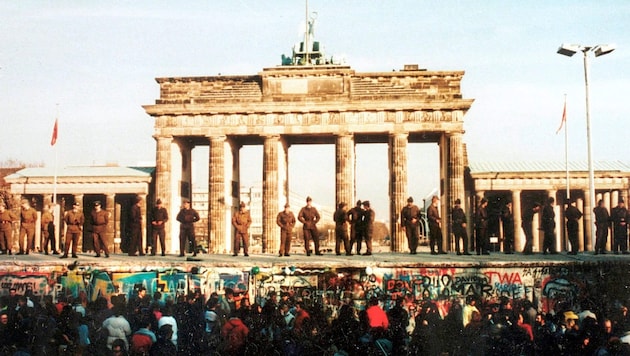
(54, 134)
(564, 116)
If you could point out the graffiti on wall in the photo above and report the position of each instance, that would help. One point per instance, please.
(549, 288)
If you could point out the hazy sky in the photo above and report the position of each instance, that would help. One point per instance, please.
(93, 64)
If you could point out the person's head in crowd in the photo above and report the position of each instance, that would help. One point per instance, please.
(119, 347)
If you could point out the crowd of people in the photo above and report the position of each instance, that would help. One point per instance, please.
(285, 324)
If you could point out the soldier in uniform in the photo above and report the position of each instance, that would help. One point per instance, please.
(549, 226)
(602, 222)
(459, 228)
(482, 244)
(619, 217)
(187, 217)
(286, 221)
(435, 230)
(7, 217)
(28, 219)
(48, 231)
(100, 218)
(354, 215)
(241, 220)
(341, 230)
(159, 217)
(527, 225)
(507, 217)
(309, 217)
(74, 220)
(572, 214)
(135, 223)
(409, 218)
(367, 225)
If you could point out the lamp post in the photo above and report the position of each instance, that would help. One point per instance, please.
(599, 50)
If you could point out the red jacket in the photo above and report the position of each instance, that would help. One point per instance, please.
(234, 332)
(377, 318)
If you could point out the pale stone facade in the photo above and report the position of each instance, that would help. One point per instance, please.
(304, 104)
(524, 183)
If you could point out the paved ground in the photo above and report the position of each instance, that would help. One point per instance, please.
(329, 259)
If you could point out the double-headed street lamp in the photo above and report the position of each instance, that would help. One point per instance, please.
(599, 50)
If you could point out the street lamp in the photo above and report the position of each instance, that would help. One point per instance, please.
(599, 50)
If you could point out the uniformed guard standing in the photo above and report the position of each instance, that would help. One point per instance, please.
(187, 217)
(549, 226)
(572, 214)
(367, 216)
(159, 217)
(459, 228)
(354, 215)
(602, 222)
(286, 221)
(48, 231)
(135, 223)
(74, 221)
(241, 220)
(28, 219)
(409, 219)
(100, 218)
(341, 230)
(435, 229)
(309, 216)
(507, 218)
(619, 217)
(7, 217)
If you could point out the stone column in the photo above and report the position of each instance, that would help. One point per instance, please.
(216, 195)
(519, 238)
(579, 203)
(275, 190)
(110, 207)
(559, 219)
(78, 198)
(589, 220)
(143, 213)
(455, 180)
(397, 188)
(166, 185)
(345, 169)
(480, 194)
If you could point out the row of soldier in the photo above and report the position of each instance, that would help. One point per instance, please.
(353, 227)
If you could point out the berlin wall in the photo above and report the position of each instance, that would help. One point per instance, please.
(548, 286)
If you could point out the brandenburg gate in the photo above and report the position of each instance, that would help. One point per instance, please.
(303, 104)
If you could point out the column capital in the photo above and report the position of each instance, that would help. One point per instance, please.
(163, 137)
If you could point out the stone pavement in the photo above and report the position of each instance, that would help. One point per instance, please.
(328, 259)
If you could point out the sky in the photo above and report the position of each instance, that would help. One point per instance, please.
(93, 64)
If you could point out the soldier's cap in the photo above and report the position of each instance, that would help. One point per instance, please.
(242, 203)
(97, 203)
(24, 201)
(287, 205)
(138, 199)
(366, 203)
(309, 198)
(358, 202)
(158, 202)
(186, 201)
(410, 200)
(458, 201)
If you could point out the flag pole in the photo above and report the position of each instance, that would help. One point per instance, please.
(54, 141)
(566, 145)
